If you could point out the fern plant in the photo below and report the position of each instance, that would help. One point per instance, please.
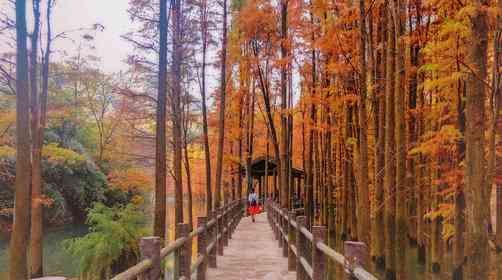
(112, 243)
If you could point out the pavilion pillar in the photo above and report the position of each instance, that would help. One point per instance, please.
(298, 186)
(275, 185)
(260, 185)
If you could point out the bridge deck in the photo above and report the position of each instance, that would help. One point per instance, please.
(252, 254)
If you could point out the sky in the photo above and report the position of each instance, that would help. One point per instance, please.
(109, 46)
(76, 14)
(112, 14)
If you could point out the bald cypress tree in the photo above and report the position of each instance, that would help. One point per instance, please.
(18, 262)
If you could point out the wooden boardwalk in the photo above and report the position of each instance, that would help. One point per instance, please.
(252, 254)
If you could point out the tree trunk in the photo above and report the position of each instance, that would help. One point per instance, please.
(221, 121)
(36, 248)
(250, 139)
(477, 249)
(495, 166)
(390, 165)
(204, 35)
(310, 205)
(401, 225)
(363, 225)
(176, 121)
(436, 222)
(267, 152)
(378, 221)
(284, 201)
(159, 227)
(458, 239)
(186, 127)
(18, 260)
(176, 109)
(421, 184)
(240, 143)
(189, 187)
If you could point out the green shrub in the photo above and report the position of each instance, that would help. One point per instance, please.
(112, 244)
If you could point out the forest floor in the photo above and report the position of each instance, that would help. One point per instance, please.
(252, 254)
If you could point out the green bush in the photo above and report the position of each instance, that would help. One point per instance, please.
(72, 181)
(112, 244)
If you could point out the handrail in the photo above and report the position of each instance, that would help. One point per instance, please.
(173, 246)
(288, 230)
(332, 254)
(218, 230)
(307, 234)
(307, 267)
(134, 271)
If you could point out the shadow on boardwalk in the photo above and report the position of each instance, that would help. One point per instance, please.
(252, 254)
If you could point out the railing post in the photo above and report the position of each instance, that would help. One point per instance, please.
(233, 218)
(265, 206)
(279, 231)
(237, 215)
(285, 226)
(184, 251)
(219, 228)
(300, 247)
(212, 237)
(150, 249)
(319, 260)
(292, 241)
(356, 254)
(202, 248)
(273, 219)
(225, 225)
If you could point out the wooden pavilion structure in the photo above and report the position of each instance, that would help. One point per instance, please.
(262, 169)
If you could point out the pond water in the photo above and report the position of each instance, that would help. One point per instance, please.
(58, 262)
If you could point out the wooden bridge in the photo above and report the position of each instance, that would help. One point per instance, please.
(277, 246)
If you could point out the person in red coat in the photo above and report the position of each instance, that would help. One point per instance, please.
(253, 208)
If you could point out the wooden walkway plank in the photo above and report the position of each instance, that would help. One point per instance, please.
(252, 254)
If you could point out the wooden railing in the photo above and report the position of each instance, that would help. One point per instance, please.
(212, 235)
(308, 253)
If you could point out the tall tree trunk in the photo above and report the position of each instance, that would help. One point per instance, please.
(36, 248)
(309, 184)
(250, 139)
(177, 121)
(159, 227)
(221, 121)
(240, 143)
(267, 158)
(477, 249)
(189, 187)
(284, 201)
(421, 190)
(412, 166)
(378, 221)
(390, 149)
(363, 225)
(45, 73)
(459, 219)
(176, 109)
(18, 260)
(186, 127)
(207, 155)
(436, 222)
(45, 89)
(401, 148)
(291, 181)
(351, 176)
(495, 161)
